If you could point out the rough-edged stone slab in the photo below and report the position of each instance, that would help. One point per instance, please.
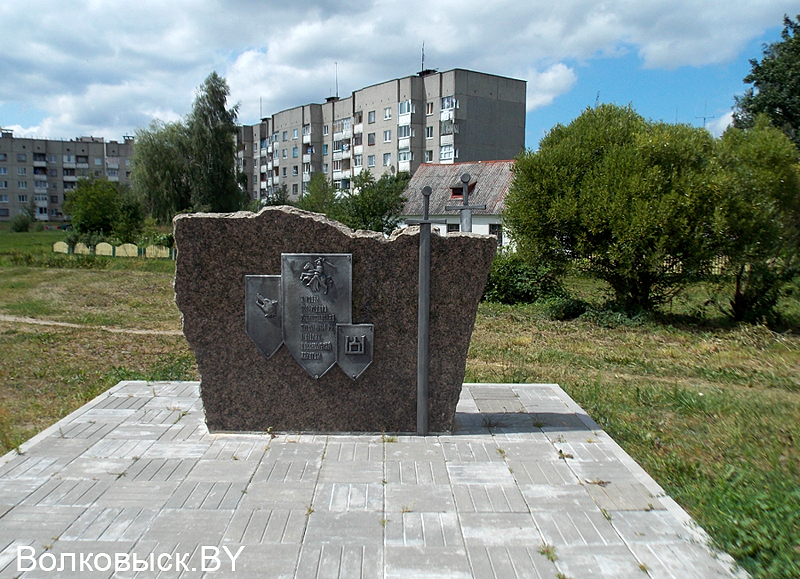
(243, 391)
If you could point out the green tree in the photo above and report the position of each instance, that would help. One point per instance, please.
(161, 175)
(130, 217)
(757, 218)
(93, 206)
(191, 164)
(776, 85)
(320, 197)
(627, 197)
(375, 205)
(280, 196)
(211, 130)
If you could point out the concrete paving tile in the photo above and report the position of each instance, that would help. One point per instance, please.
(68, 492)
(236, 447)
(499, 529)
(265, 495)
(30, 467)
(419, 498)
(351, 471)
(111, 524)
(185, 432)
(528, 450)
(681, 561)
(287, 471)
(422, 529)
(14, 491)
(649, 527)
(546, 497)
(334, 561)
(85, 429)
(474, 498)
(223, 470)
(400, 451)
(295, 451)
(609, 470)
(352, 451)
(9, 554)
(344, 497)
(137, 493)
(176, 449)
(89, 550)
(413, 472)
(496, 472)
(200, 527)
(499, 405)
(98, 468)
(39, 521)
(622, 497)
(160, 469)
(553, 472)
(495, 392)
(426, 563)
(123, 402)
(257, 526)
(127, 431)
(469, 451)
(510, 563)
(576, 527)
(62, 449)
(585, 452)
(118, 448)
(351, 528)
(599, 562)
(206, 495)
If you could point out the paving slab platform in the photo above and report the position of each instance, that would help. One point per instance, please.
(133, 485)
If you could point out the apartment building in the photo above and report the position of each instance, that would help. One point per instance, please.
(45, 171)
(432, 117)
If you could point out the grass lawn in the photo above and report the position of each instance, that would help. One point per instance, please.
(712, 412)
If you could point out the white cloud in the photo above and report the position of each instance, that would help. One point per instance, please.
(108, 66)
(718, 126)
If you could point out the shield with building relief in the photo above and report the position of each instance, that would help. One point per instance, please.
(316, 292)
(354, 347)
(263, 312)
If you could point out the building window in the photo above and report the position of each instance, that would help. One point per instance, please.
(52, 158)
(294, 133)
(3, 184)
(68, 185)
(337, 166)
(306, 130)
(337, 146)
(52, 172)
(324, 168)
(387, 159)
(285, 153)
(3, 212)
(449, 102)
(428, 132)
(371, 161)
(357, 160)
(404, 155)
(40, 197)
(387, 136)
(404, 131)
(113, 172)
(3, 171)
(358, 139)
(40, 184)
(387, 113)
(370, 139)
(3, 156)
(21, 157)
(69, 158)
(446, 153)
(429, 109)
(294, 189)
(22, 198)
(283, 171)
(294, 152)
(325, 149)
(405, 107)
(22, 184)
(53, 199)
(294, 171)
(453, 228)
(82, 159)
(325, 129)
(3, 198)
(285, 136)
(69, 172)
(497, 230)
(22, 170)
(371, 117)
(53, 185)
(358, 118)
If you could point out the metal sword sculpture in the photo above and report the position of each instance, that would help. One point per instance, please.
(424, 310)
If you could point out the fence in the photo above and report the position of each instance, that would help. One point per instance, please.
(124, 250)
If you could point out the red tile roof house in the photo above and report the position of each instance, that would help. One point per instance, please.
(488, 184)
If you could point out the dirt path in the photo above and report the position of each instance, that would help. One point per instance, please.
(33, 321)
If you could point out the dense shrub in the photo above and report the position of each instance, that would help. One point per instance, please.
(20, 223)
(514, 281)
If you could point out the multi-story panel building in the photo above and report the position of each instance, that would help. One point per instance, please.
(431, 117)
(44, 171)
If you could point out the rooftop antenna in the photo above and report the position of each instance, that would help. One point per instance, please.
(260, 109)
(705, 116)
(336, 74)
(423, 55)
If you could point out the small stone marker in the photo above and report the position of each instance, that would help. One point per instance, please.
(230, 288)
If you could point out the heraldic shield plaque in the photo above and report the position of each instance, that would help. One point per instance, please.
(309, 309)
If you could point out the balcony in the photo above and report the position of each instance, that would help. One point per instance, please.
(69, 165)
(446, 115)
(263, 169)
(276, 161)
(269, 181)
(337, 155)
(346, 153)
(346, 174)
(404, 165)
(337, 175)
(70, 178)
(307, 158)
(269, 165)
(404, 119)
(358, 150)
(358, 129)
(40, 163)
(85, 166)
(306, 177)
(446, 140)
(404, 143)
(307, 139)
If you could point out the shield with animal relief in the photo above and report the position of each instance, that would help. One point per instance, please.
(316, 293)
(262, 312)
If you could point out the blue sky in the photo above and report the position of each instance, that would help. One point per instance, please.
(106, 67)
